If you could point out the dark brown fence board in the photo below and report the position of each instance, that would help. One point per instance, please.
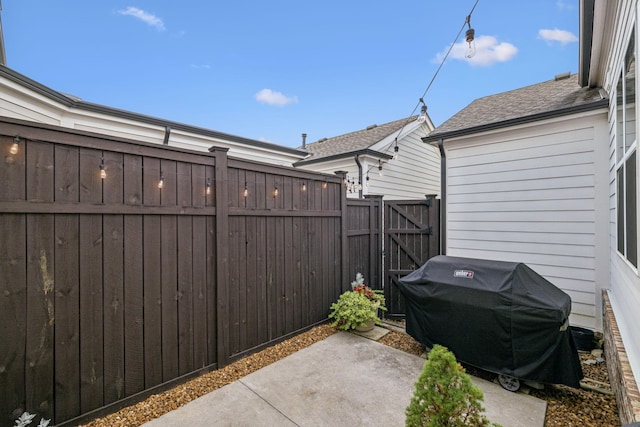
(234, 284)
(12, 171)
(39, 172)
(133, 300)
(185, 294)
(212, 292)
(199, 284)
(150, 179)
(152, 261)
(114, 186)
(91, 312)
(67, 168)
(133, 177)
(288, 275)
(279, 274)
(296, 279)
(262, 304)
(39, 375)
(13, 316)
(66, 306)
(90, 181)
(200, 185)
(114, 369)
(169, 274)
(253, 287)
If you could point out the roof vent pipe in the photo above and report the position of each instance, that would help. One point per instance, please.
(304, 141)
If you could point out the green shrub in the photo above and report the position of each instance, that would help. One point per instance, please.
(445, 395)
(353, 309)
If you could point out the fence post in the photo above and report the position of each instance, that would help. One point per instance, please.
(222, 254)
(435, 247)
(344, 244)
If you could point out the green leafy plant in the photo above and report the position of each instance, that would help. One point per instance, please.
(445, 395)
(357, 307)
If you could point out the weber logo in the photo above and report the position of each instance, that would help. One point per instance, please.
(463, 273)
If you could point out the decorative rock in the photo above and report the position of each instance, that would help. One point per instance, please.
(600, 359)
(590, 362)
(596, 353)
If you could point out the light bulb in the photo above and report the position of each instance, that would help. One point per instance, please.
(275, 192)
(103, 172)
(395, 152)
(14, 148)
(161, 182)
(367, 180)
(471, 44)
(304, 186)
(245, 193)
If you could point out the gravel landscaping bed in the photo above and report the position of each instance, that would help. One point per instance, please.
(565, 406)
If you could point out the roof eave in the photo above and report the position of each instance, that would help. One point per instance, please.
(586, 41)
(346, 155)
(433, 137)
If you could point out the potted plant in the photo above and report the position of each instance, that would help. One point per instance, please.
(357, 308)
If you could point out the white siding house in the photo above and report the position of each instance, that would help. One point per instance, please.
(367, 156)
(608, 52)
(526, 182)
(25, 99)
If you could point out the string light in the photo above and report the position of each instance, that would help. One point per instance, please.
(367, 180)
(15, 146)
(324, 184)
(469, 38)
(379, 167)
(161, 182)
(304, 186)
(275, 191)
(395, 150)
(208, 191)
(103, 172)
(245, 193)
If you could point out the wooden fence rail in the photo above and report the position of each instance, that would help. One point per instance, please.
(169, 264)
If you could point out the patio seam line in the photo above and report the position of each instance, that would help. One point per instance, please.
(267, 402)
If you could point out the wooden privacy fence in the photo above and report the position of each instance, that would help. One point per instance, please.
(127, 267)
(175, 262)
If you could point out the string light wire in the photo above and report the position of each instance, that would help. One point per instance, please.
(466, 22)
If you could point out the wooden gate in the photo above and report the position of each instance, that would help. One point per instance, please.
(412, 236)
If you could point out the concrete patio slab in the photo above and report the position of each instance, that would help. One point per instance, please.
(344, 380)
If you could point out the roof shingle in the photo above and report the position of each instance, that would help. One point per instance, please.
(354, 141)
(552, 95)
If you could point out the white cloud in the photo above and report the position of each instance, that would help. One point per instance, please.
(145, 17)
(564, 5)
(556, 35)
(201, 66)
(488, 51)
(271, 97)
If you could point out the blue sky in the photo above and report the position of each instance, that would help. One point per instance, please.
(271, 70)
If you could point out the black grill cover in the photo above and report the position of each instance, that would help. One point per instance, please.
(502, 317)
